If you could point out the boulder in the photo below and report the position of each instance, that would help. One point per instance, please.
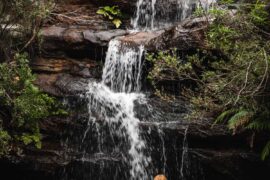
(187, 35)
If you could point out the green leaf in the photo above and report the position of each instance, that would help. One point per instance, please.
(117, 23)
(266, 151)
(100, 11)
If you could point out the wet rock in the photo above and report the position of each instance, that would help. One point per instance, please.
(139, 38)
(64, 77)
(189, 34)
(76, 42)
(212, 154)
(61, 85)
(102, 38)
(73, 36)
(85, 67)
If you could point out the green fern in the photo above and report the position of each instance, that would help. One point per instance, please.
(224, 116)
(239, 120)
(266, 151)
(259, 125)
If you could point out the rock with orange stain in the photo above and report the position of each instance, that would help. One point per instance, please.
(160, 177)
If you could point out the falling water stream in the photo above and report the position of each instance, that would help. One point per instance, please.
(111, 102)
(113, 98)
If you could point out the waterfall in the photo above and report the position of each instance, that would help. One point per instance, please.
(184, 159)
(156, 14)
(111, 103)
(122, 70)
(145, 15)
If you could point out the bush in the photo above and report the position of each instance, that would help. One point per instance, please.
(233, 87)
(22, 104)
(20, 22)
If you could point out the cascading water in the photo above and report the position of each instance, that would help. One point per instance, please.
(113, 99)
(123, 65)
(111, 102)
(145, 15)
(157, 14)
(184, 155)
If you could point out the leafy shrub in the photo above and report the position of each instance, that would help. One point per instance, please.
(113, 13)
(20, 22)
(22, 104)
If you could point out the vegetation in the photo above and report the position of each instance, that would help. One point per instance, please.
(20, 21)
(113, 13)
(233, 83)
(22, 104)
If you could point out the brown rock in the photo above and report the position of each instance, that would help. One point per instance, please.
(189, 34)
(140, 38)
(73, 36)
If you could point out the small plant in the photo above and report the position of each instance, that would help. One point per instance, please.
(258, 15)
(113, 13)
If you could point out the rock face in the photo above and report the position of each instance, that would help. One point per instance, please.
(76, 42)
(212, 153)
(189, 34)
(71, 56)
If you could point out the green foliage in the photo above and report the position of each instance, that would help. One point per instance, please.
(225, 116)
(20, 21)
(231, 75)
(220, 36)
(31, 138)
(22, 104)
(226, 2)
(199, 11)
(113, 13)
(258, 15)
(239, 120)
(4, 142)
(266, 151)
(169, 67)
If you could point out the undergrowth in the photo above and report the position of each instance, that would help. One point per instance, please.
(234, 87)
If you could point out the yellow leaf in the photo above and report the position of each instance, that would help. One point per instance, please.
(117, 23)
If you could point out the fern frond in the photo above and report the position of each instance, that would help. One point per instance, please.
(259, 125)
(225, 115)
(266, 151)
(240, 119)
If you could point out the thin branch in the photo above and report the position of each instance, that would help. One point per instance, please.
(265, 73)
(245, 84)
